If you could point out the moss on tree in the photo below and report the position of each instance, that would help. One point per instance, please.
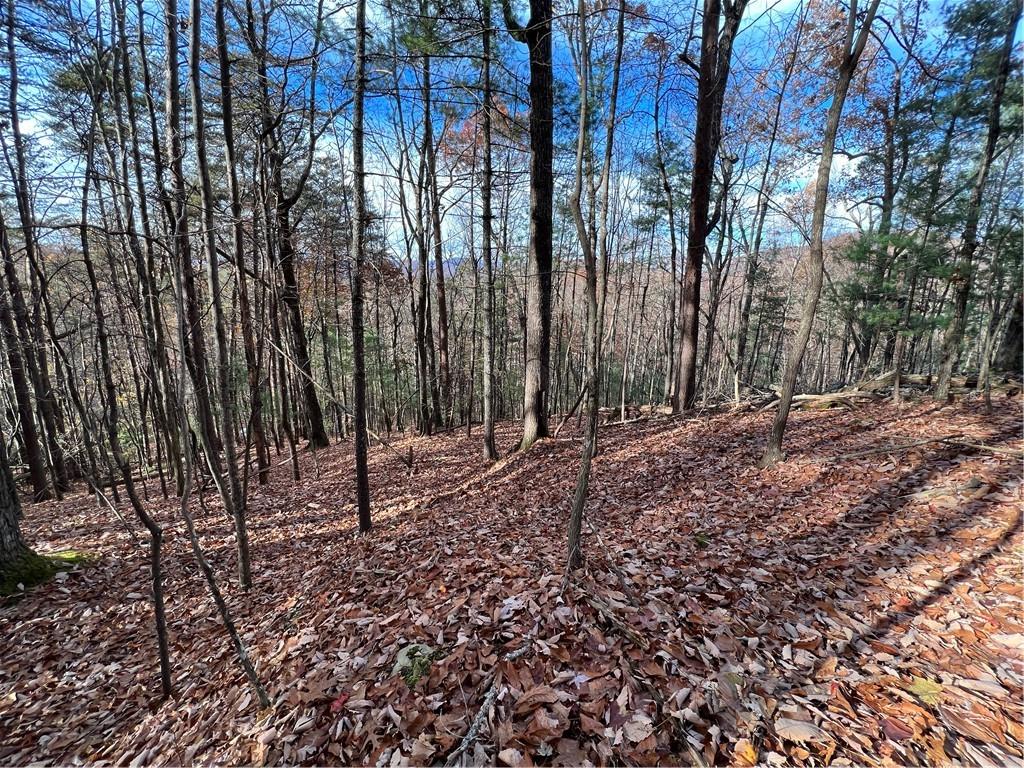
(29, 569)
(26, 570)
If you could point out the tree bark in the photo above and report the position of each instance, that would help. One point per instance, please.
(816, 257)
(19, 565)
(963, 276)
(536, 35)
(490, 451)
(357, 245)
(715, 60)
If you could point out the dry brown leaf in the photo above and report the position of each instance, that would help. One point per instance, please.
(799, 730)
(535, 697)
(744, 754)
(638, 728)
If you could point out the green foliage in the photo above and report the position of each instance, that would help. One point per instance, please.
(72, 557)
(69, 80)
(413, 662)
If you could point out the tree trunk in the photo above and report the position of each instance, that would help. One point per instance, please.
(760, 214)
(357, 246)
(300, 346)
(231, 491)
(574, 545)
(490, 451)
(255, 421)
(1009, 356)
(816, 257)
(435, 223)
(195, 352)
(111, 407)
(715, 56)
(34, 349)
(963, 275)
(536, 35)
(666, 186)
(19, 565)
(33, 454)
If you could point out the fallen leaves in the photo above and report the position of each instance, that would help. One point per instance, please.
(895, 730)
(638, 728)
(799, 730)
(866, 610)
(535, 697)
(744, 754)
(927, 691)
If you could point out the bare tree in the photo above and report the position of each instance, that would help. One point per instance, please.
(586, 241)
(486, 225)
(536, 35)
(357, 261)
(229, 482)
(245, 311)
(712, 78)
(856, 37)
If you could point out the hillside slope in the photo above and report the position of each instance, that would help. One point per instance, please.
(863, 608)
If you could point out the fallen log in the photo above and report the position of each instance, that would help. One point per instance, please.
(656, 410)
(990, 448)
(959, 385)
(841, 399)
(894, 448)
(846, 398)
(571, 411)
(885, 381)
(954, 439)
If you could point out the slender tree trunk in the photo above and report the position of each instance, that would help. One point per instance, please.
(490, 451)
(34, 349)
(666, 185)
(112, 420)
(33, 455)
(575, 547)
(1009, 355)
(816, 258)
(19, 565)
(231, 492)
(434, 200)
(357, 245)
(760, 214)
(255, 421)
(600, 231)
(293, 310)
(963, 276)
(195, 352)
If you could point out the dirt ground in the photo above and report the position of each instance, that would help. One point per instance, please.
(835, 609)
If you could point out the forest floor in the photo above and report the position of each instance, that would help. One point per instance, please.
(837, 609)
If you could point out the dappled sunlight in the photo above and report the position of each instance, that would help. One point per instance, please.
(836, 567)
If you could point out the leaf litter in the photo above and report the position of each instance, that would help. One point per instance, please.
(826, 611)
